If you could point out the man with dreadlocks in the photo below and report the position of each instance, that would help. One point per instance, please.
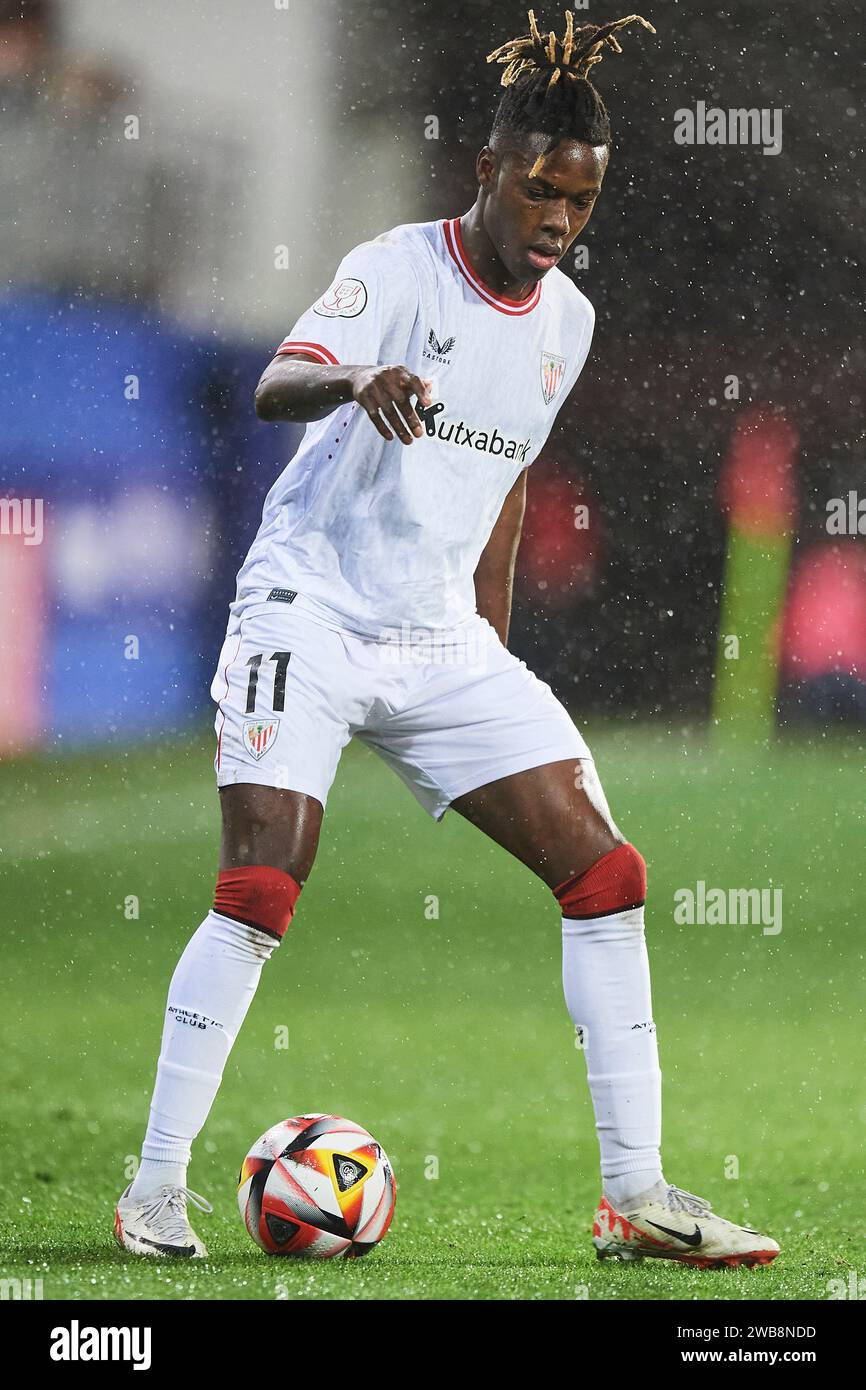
(462, 339)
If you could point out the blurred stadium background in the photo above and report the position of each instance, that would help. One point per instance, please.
(156, 158)
(160, 164)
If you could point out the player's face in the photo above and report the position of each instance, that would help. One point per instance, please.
(532, 221)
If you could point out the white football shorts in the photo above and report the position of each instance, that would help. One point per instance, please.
(448, 718)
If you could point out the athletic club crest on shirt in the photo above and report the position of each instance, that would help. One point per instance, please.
(552, 372)
(259, 736)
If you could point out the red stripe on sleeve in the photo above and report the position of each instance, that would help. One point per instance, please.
(290, 345)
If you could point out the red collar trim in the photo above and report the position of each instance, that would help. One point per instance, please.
(513, 307)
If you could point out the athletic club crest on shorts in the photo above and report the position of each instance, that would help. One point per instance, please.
(552, 372)
(259, 735)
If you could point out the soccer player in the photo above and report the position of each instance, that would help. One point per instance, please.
(375, 602)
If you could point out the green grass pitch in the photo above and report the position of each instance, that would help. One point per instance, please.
(447, 1037)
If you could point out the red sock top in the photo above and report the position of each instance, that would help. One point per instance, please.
(258, 896)
(615, 883)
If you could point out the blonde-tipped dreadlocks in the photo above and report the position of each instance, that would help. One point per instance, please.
(534, 64)
(578, 50)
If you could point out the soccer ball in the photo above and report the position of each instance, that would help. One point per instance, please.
(317, 1186)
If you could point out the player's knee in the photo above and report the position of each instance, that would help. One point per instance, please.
(259, 896)
(614, 883)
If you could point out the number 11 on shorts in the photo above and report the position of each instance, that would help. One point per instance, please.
(279, 702)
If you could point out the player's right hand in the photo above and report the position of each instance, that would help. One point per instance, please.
(386, 393)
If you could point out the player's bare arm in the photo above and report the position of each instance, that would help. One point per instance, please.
(298, 388)
(494, 577)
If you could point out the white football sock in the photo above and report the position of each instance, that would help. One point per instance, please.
(208, 998)
(605, 976)
(154, 1173)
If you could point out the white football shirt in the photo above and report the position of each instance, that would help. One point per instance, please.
(371, 534)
